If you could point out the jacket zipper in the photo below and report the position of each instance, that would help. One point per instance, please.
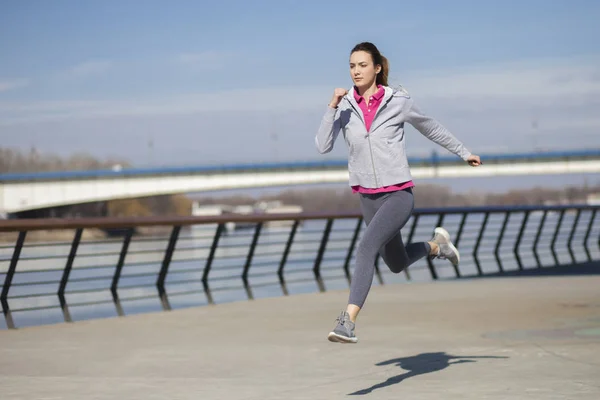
(369, 136)
(368, 139)
(372, 160)
(381, 106)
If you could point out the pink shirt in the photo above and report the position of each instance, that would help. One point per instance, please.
(369, 110)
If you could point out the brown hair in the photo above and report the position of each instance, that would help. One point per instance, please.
(378, 59)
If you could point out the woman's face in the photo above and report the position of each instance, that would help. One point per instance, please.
(362, 70)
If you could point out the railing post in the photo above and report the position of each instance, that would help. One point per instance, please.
(351, 249)
(499, 241)
(460, 229)
(572, 235)
(164, 269)
(320, 253)
(9, 277)
(124, 248)
(518, 241)
(556, 232)
(458, 234)
(209, 261)
(537, 239)
(249, 259)
(478, 242)
(117, 275)
(67, 271)
(587, 236)
(285, 255)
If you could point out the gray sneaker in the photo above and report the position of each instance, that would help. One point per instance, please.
(344, 331)
(447, 250)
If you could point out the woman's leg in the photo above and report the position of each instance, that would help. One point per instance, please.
(384, 214)
(392, 211)
(395, 254)
(398, 257)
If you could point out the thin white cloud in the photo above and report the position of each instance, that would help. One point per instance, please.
(206, 60)
(10, 84)
(90, 68)
(234, 100)
(543, 87)
(540, 79)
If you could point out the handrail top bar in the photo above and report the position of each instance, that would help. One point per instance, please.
(12, 225)
(150, 171)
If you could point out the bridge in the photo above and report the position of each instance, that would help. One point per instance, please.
(191, 312)
(31, 191)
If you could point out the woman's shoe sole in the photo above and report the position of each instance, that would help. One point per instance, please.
(334, 337)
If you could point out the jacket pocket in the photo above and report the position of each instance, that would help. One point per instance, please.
(393, 146)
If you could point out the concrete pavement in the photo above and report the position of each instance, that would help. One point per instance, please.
(501, 338)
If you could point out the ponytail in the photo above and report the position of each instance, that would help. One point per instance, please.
(382, 76)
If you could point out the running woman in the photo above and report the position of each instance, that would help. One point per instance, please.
(371, 117)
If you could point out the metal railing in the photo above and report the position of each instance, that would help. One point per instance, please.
(203, 260)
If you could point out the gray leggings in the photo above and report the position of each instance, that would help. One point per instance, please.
(384, 214)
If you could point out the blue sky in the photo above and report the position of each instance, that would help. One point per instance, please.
(237, 81)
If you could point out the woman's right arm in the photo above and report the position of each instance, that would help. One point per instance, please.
(330, 123)
(328, 130)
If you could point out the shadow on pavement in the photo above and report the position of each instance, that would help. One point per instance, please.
(421, 364)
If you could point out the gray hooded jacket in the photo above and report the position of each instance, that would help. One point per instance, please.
(378, 158)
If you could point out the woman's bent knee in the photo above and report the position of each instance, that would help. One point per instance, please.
(396, 264)
(396, 269)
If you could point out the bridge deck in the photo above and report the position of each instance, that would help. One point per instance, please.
(501, 338)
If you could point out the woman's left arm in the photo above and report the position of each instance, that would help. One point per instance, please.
(434, 131)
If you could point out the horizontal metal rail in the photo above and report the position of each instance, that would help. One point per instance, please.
(197, 261)
(127, 222)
